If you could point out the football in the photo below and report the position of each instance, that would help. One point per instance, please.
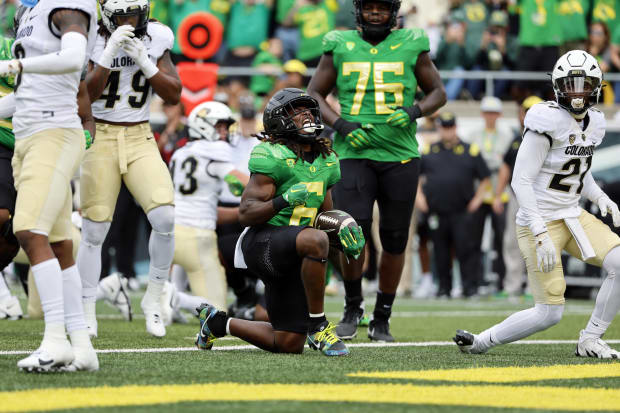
(332, 222)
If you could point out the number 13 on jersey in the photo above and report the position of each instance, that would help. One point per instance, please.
(381, 88)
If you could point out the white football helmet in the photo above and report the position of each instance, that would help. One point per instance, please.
(203, 118)
(577, 81)
(110, 10)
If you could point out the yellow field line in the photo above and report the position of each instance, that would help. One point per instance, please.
(503, 374)
(544, 397)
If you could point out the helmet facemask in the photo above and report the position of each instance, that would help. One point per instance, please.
(112, 16)
(376, 31)
(577, 92)
(304, 110)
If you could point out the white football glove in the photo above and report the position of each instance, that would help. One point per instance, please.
(9, 67)
(607, 205)
(121, 35)
(545, 252)
(137, 51)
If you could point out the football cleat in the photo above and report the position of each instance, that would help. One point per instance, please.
(10, 308)
(465, 341)
(379, 330)
(90, 317)
(154, 322)
(205, 338)
(52, 355)
(85, 360)
(114, 288)
(594, 347)
(347, 327)
(326, 341)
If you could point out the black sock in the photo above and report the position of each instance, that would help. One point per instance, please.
(217, 324)
(383, 305)
(353, 288)
(315, 323)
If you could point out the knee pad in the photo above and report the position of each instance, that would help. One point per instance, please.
(94, 233)
(550, 314)
(394, 241)
(162, 219)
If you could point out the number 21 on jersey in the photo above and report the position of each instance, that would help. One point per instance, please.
(377, 69)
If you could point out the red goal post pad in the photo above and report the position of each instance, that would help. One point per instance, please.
(200, 35)
(199, 81)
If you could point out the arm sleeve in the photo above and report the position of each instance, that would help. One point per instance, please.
(70, 58)
(7, 106)
(591, 190)
(219, 169)
(530, 158)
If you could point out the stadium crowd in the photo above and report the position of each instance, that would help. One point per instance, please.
(463, 179)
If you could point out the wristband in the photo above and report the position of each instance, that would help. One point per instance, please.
(279, 203)
(414, 111)
(149, 68)
(345, 127)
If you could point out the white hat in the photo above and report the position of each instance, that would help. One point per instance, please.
(491, 104)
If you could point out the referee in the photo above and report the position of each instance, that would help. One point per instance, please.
(450, 169)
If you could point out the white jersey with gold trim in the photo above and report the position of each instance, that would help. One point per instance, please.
(127, 95)
(559, 183)
(46, 101)
(198, 170)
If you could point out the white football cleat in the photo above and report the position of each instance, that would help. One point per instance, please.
(85, 360)
(594, 347)
(169, 303)
(90, 316)
(114, 288)
(10, 308)
(52, 355)
(154, 320)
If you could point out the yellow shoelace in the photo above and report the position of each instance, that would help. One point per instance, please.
(327, 335)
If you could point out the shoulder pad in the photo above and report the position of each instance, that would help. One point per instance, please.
(598, 122)
(162, 38)
(269, 150)
(331, 40)
(87, 6)
(217, 151)
(474, 149)
(543, 117)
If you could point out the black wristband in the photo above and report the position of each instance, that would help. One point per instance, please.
(279, 203)
(414, 112)
(344, 127)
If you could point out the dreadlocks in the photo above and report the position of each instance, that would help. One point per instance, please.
(322, 146)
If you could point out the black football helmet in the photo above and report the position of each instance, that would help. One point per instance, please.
(376, 31)
(281, 108)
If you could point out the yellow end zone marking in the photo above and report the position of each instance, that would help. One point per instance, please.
(502, 374)
(543, 397)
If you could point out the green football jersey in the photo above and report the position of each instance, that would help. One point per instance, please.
(369, 79)
(281, 164)
(6, 87)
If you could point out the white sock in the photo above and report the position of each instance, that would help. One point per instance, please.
(519, 325)
(228, 325)
(72, 294)
(161, 250)
(48, 279)
(190, 302)
(4, 289)
(89, 256)
(607, 299)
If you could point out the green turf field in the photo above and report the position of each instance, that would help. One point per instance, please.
(423, 372)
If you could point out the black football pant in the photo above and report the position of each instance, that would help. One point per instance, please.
(454, 233)
(498, 224)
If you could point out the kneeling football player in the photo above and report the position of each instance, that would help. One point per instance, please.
(292, 174)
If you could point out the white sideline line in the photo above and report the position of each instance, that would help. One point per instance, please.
(405, 314)
(352, 345)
